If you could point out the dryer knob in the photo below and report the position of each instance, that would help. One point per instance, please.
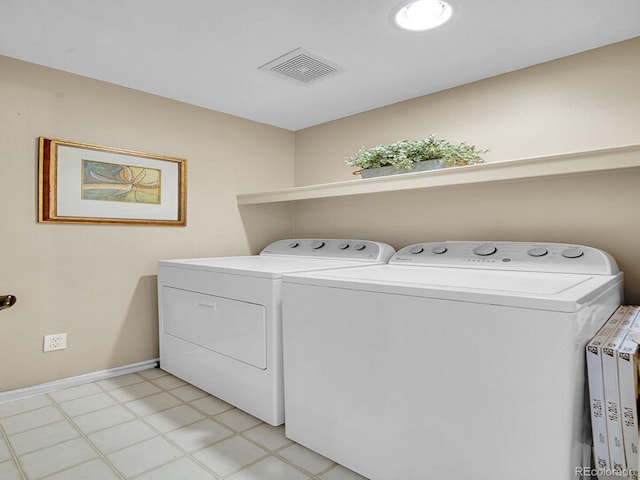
(359, 246)
(293, 244)
(537, 252)
(485, 250)
(317, 244)
(439, 250)
(417, 249)
(572, 253)
(343, 246)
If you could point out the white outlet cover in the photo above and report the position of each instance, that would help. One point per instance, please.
(57, 341)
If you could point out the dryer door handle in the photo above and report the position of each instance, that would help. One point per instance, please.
(206, 304)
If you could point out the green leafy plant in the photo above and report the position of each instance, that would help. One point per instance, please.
(404, 154)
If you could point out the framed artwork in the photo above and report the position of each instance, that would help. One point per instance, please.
(83, 183)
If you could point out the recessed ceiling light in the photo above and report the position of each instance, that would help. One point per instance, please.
(420, 15)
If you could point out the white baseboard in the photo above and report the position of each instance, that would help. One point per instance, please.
(20, 393)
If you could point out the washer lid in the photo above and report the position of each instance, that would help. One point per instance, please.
(259, 265)
(548, 291)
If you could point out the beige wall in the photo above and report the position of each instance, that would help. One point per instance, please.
(97, 282)
(587, 101)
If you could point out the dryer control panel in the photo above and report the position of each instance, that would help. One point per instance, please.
(347, 249)
(519, 256)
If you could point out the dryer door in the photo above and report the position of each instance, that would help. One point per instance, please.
(230, 327)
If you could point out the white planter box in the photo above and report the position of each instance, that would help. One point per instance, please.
(417, 167)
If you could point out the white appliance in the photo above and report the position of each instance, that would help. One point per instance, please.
(456, 360)
(220, 318)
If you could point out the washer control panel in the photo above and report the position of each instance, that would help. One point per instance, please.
(347, 249)
(521, 256)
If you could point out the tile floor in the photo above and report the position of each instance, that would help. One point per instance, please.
(148, 426)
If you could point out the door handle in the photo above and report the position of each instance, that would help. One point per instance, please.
(7, 301)
(211, 305)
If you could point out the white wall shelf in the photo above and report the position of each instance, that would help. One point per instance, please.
(603, 160)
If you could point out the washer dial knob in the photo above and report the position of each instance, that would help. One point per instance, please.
(317, 244)
(485, 249)
(439, 250)
(537, 252)
(293, 244)
(572, 253)
(416, 249)
(343, 246)
(359, 246)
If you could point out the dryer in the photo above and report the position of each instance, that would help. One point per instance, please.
(455, 360)
(220, 318)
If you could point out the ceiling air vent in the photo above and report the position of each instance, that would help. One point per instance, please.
(301, 66)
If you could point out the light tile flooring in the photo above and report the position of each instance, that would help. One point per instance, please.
(148, 426)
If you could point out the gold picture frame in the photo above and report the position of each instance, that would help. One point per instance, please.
(84, 183)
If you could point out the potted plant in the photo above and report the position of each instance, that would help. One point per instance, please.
(410, 156)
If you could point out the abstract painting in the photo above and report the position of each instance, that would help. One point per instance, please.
(120, 183)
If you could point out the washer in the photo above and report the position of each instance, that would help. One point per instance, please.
(455, 360)
(220, 318)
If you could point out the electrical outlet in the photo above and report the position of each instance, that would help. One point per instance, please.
(57, 341)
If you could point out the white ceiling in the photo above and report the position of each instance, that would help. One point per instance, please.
(207, 52)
